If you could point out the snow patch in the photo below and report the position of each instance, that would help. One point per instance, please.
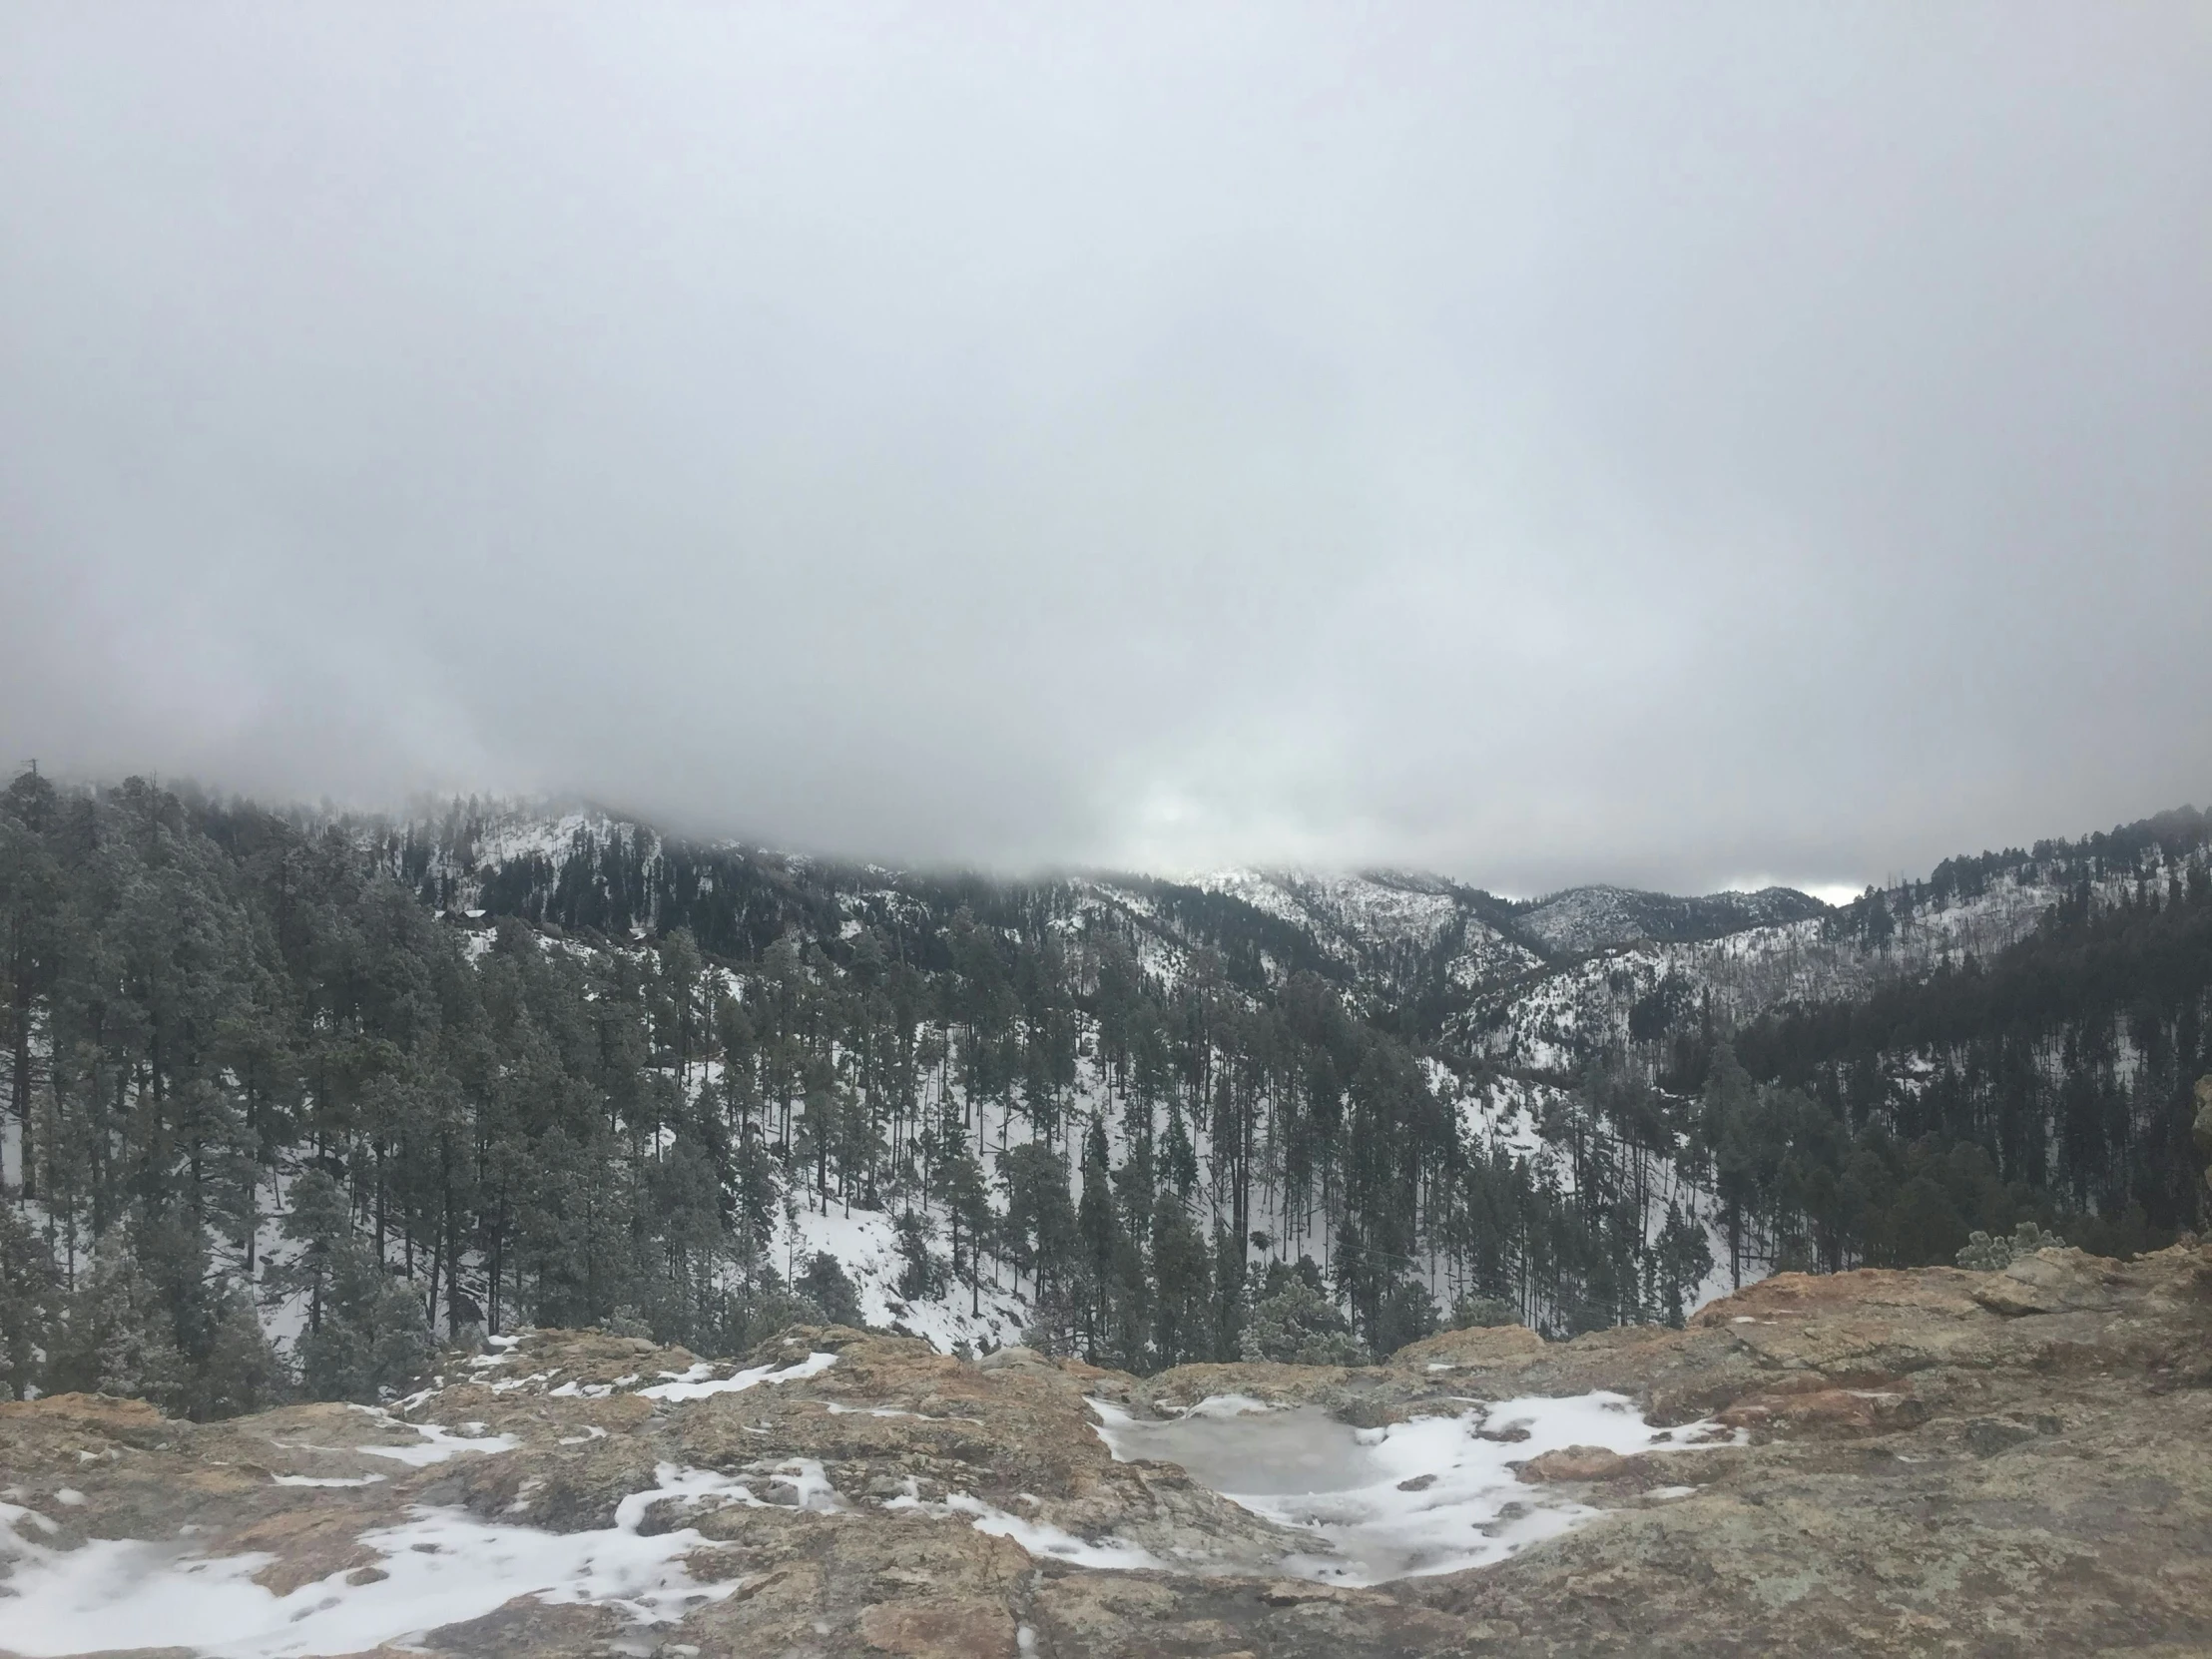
(325, 1479)
(695, 1384)
(440, 1442)
(1037, 1537)
(440, 1567)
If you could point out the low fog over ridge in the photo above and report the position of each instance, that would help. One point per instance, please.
(549, 823)
(1543, 448)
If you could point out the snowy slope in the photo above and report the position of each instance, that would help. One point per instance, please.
(866, 1244)
(1580, 1010)
(1362, 921)
(1583, 920)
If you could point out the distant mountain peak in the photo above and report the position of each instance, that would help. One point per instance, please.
(1577, 921)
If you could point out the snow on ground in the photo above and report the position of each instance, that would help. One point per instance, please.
(523, 834)
(866, 1243)
(1424, 1496)
(439, 1443)
(440, 1565)
(1487, 957)
(327, 1479)
(1039, 1538)
(698, 1382)
(1501, 1117)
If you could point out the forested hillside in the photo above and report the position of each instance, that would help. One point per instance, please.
(288, 1096)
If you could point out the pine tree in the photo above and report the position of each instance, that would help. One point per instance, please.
(242, 1371)
(1098, 1224)
(922, 1274)
(321, 1222)
(1294, 1324)
(373, 1337)
(1183, 1323)
(31, 889)
(30, 1304)
(967, 1205)
(121, 1337)
(366, 1332)
(827, 1284)
(1726, 1133)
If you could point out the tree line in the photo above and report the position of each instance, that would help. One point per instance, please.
(265, 1077)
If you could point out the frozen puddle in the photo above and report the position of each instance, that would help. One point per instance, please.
(1426, 1497)
(438, 1566)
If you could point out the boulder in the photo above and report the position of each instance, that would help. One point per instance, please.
(1476, 1345)
(1574, 1463)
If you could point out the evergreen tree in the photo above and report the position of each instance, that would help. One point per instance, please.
(922, 1274)
(1098, 1224)
(968, 1211)
(1183, 1323)
(373, 1337)
(1294, 1324)
(30, 1304)
(121, 1335)
(827, 1285)
(242, 1371)
(1407, 1314)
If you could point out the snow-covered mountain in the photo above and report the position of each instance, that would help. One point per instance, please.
(1388, 919)
(1968, 911)
(1541, 985)
(1582, 920)
(1506, 1001)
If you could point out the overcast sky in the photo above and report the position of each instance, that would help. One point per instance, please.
(1667, 444)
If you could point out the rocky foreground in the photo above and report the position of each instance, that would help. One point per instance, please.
(1933, 1462)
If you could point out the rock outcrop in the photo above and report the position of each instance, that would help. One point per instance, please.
(1929, 1461)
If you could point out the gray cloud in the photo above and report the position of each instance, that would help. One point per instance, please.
(1545, 444)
